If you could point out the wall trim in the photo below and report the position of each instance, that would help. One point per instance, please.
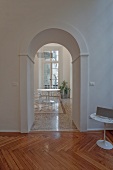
(97, 129)
(84, 54)
(9, 130)
(75, 59)
(84, 91)
(22, 55)
(49, 23)
(81, 55)
(80, 50)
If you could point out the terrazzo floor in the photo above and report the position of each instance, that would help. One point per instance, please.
(55, 117)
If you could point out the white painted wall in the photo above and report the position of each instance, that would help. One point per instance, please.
(66, 65)
(67, 68)
(22, 20)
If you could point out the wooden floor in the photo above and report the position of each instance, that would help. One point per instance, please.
(54, 151)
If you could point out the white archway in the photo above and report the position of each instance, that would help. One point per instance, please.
(79, 55)
(33, 30)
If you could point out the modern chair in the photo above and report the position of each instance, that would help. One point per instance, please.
(41, 100)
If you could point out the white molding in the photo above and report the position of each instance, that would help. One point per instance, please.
(84, 91)
(75, 59)
(24, 131)
(81, 47)
(23, 94)
(97, 129)
(9, 130)
(81, 55)
(56, 24)
(84, 54)
(26, 55)
(25, 121)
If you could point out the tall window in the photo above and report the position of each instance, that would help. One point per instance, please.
(51, 68)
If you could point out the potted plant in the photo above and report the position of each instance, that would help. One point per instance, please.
(65, 90)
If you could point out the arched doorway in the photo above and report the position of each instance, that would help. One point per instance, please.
(79, 78)
(52, 68)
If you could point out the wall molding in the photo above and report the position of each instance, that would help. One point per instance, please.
(84, 54)
(81, 55)
(97, 129)
(84, 90)
(75, 59)
(9, 130)
(26, 55)
(78, 51)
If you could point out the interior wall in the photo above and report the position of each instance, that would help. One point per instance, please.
(67, 68)
(87, 21)
(66, 65)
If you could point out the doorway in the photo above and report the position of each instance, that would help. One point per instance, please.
(53, 59)
(75, 43)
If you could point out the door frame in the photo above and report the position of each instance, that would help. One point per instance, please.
(79, 52)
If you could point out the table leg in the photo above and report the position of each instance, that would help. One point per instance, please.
(103, 143)
(48, 101)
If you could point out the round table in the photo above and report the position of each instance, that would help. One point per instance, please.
(48, 91)
(103, 143)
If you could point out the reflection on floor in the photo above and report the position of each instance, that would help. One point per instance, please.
(55, 117)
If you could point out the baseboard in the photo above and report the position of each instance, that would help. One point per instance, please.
(97, 129)
(24, 131)
(9, 130)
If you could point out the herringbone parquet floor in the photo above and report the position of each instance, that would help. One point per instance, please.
(54, 151)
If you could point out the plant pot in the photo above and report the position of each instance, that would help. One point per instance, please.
(65, 95)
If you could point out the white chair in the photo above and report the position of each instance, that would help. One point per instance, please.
(37, 100)
(55, 97)
(41, 100)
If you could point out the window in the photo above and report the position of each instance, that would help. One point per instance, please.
(51, 68)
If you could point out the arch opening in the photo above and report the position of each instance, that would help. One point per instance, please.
(54, 35)
(53, 66)
(79, 82)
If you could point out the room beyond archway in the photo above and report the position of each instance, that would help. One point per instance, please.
(53, 66)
